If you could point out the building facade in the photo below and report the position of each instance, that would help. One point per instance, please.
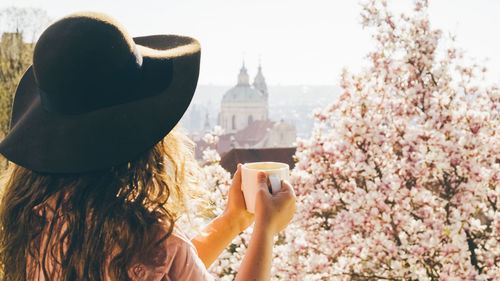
(244, 103)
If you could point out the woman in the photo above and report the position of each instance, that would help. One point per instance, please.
(99, 173)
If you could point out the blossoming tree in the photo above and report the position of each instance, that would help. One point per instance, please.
(401, 178)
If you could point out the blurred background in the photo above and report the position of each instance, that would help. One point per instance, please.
(292, 52)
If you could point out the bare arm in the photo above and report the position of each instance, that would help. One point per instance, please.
(272, 214)
(214, 239)
(256, 264)
(220, 232)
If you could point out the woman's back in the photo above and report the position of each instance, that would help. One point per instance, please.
(170, 259)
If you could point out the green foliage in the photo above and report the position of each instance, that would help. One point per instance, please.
(15, 58)
(17, 25)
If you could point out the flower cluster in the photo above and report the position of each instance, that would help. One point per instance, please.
(401, 177)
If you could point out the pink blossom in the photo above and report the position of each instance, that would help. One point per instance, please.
(401, 176)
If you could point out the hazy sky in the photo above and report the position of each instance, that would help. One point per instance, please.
(299, 42)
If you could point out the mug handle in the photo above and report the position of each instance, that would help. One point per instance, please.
(275, 183)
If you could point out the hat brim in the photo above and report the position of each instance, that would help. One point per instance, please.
(45, 141)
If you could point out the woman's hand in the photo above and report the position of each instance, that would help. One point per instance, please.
(274, 211)
(236, 210)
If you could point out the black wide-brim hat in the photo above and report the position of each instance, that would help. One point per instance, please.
(96, 97)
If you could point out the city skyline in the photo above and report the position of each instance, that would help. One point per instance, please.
(297, 44)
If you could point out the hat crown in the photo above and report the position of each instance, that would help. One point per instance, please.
(83, 61)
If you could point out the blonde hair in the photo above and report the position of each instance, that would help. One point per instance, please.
(77, 221)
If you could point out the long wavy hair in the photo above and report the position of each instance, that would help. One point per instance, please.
(90, 226)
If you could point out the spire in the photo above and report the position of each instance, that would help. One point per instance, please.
(206, 126)
(243, 79)
(260, 82)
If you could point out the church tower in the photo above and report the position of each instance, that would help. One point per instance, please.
(243, 104)
(259, 83)
(206, 126)
(243, 79)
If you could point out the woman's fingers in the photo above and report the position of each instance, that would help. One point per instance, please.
(286, 187)
(262, 180)
(237, 177)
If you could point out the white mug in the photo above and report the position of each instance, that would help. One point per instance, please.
(275, 171)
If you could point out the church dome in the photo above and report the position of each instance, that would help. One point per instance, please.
(243, 92)
(282, 126)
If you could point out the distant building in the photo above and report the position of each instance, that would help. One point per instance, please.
(193, 119)
(244, 117)
(280, 135)
(206, 125)
(244, 104)
(259, 83)
(246, 138)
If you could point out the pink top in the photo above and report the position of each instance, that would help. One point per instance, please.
(175, 259)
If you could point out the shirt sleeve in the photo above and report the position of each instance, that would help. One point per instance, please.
(186, 265)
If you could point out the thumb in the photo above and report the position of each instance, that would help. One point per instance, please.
(263, 193)
(262, 180)
(286, 187)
